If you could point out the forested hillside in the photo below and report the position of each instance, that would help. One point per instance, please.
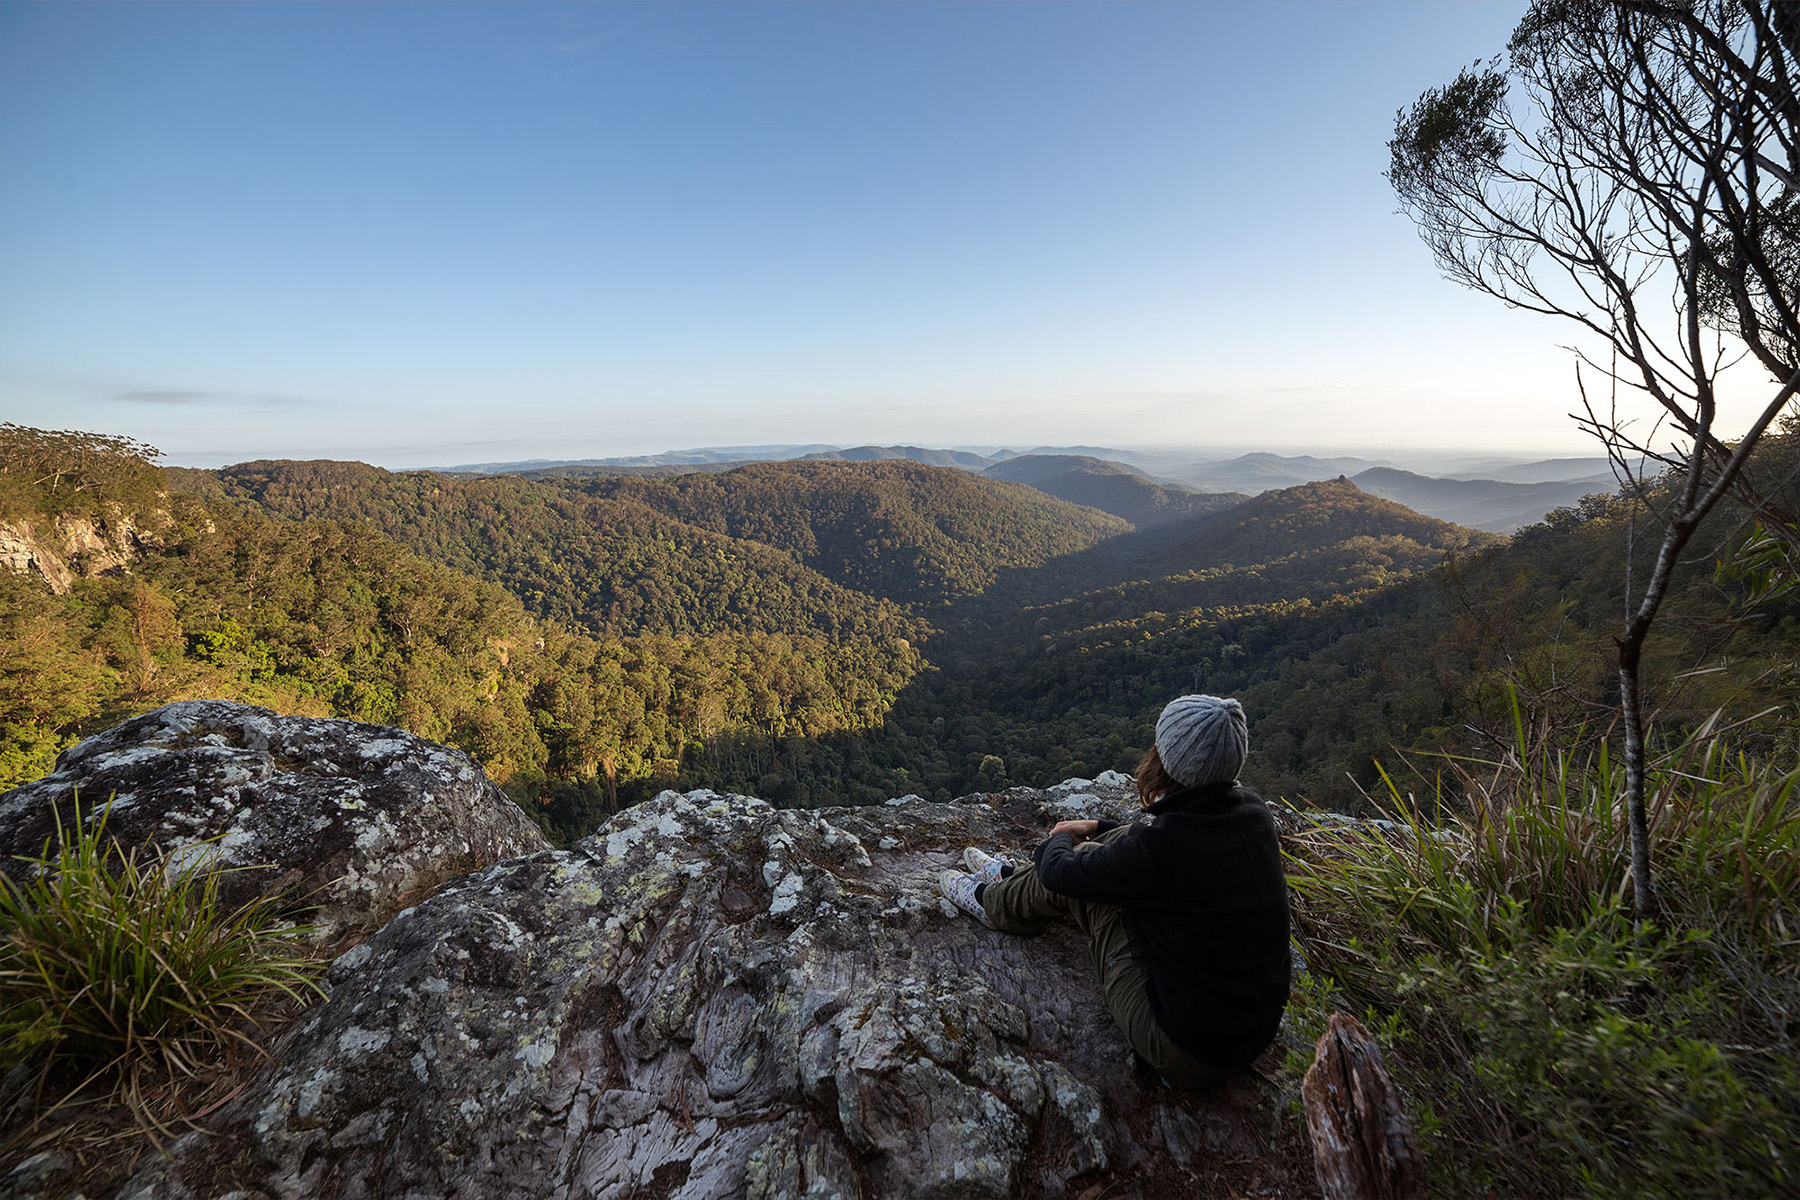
(898, 529)
(830, 631)
(607, 568)
(1354, 630)
(1111, 487)
(770, 546)
(333, 617)
(1061, 671)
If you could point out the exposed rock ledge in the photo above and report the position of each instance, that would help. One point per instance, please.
(712, 997)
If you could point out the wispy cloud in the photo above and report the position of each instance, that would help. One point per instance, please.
(583, 46)
(176, 397)
(164, 397)
(646, 35)
(571, 49)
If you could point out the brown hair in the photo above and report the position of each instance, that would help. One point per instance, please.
(1153, 779)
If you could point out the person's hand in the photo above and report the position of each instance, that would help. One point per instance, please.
(1083, 830)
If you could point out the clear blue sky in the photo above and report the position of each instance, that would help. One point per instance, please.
(425, 234)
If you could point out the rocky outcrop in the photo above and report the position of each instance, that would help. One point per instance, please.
(65, 548)
(712, 997)
(358, 820)
(709, 997)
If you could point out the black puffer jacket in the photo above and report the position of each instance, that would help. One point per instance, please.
(1205, 897)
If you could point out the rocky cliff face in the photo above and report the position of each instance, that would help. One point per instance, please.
(65, 548)
(709, 997)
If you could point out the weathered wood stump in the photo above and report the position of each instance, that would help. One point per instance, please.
(1363, 1143)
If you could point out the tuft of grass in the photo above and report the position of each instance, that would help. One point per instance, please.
(118, 970)
(1550, 1044)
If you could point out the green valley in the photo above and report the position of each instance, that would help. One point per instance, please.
(830, 631)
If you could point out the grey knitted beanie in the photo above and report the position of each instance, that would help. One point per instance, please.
(1202, 739)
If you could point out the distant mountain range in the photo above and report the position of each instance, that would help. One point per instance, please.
(1149, 488)
(1486, 504)
(931, 458)
(1259, 471)
(671, 458)
(1595, 469)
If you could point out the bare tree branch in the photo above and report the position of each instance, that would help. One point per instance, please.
(1630, 156)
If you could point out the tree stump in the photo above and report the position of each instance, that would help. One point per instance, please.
(1363, 1143)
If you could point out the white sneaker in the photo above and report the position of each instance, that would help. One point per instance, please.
(959, 888)
(986, 866)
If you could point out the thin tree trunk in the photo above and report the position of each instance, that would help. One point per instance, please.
(1676, 533)
(1643, 888)
(1695, 502)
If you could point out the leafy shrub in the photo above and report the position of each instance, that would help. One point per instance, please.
(121, 967)
(1549, 1044)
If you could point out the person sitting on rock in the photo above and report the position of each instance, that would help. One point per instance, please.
(1185, 909)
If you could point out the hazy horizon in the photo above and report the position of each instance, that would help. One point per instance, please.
(1444, 457)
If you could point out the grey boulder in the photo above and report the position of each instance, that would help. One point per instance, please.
(357, 820)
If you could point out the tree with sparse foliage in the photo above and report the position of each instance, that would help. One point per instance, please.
(1634, 167)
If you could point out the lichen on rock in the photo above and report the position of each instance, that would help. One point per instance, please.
(713, 997)
(347, 820)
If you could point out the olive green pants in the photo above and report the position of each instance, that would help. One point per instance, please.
(1021, 903)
